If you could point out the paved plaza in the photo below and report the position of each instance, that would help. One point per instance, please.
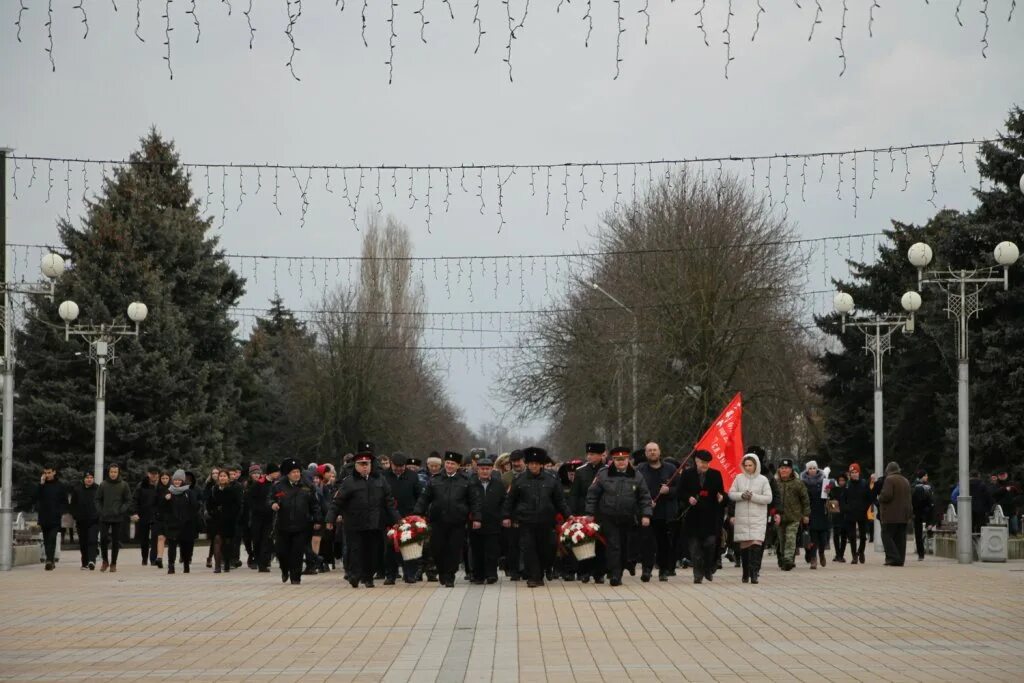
(928, 621)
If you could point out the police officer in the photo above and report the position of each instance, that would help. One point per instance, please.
(406, 488)
(618, 498)
(584, 477)
(448, 501)
(298, 515)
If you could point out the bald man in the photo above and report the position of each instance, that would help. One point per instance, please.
(656, 540)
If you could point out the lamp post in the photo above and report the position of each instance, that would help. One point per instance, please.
(961, 306)
(636, 355)
(878, 331)
(52, 267)
(102, 339)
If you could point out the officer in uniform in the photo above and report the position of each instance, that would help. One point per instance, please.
(406, 488)
(448, 501)
(618, 498)
(584, 477)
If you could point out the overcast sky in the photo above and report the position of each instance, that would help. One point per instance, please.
(920, 79)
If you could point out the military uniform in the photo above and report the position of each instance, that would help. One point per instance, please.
(449, 501)
(617, 499)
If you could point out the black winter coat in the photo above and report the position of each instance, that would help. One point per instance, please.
(51, 501)
(581, 482)
(667, 506)
(406, 489)
(619, 496)
(179, 516)
(364, 503)
(492, 502)
(144, 501)
(299, 506)
(535, 499)
(855, 501)
(449, 500)
(83, 504)
(705, 518)
(223, 511)
(257, 496)
(923, 501)
(819, 515)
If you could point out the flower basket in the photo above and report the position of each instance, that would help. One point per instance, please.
(408, 535)
(581, 534)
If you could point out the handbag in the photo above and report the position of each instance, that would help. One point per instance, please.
(832, 506)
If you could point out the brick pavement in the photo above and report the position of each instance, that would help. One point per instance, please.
(928, 621)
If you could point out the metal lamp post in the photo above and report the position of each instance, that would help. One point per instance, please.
(961, 306)
(635, 354)
(878, 331)
(52, 267)
(102, 339)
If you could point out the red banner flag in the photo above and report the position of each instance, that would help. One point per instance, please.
(724, 441)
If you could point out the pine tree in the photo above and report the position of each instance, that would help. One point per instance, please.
(173, 393)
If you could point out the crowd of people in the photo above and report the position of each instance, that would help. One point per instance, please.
(656, 514)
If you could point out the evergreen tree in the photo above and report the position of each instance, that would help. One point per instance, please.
(173, 393)
(921, 372)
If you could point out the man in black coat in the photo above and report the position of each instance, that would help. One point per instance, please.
(703, 489)
(261, 519)
(144, 514)
(533, 500)
(922, 499)
(619, 498)
(365, 503)
(656, 541)
(484, 541)
(298, 515)
(582, 479)
(87, 521)
(51, 500)
(448, 501)
(406, 488)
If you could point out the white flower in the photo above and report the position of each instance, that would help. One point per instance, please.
(406, 536)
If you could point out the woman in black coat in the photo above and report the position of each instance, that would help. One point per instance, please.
(179, 514)
(223, 509)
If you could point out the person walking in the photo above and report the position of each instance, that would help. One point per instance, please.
(532, 502)
(751, 494)
(856, 505)
(485, 541)
(179, 516)
(51, 500)
(261, 518)
(895, 512)
(365, 503)
(818, 524)
(594, 568)
(83, 510)
(618, 499)
(836, 507)
(794, 509)
(223, 510)
(113, 501)
(703, 489)
(923, 501)
(298, 515)
(656, 540)
(406, 489)
(448, 501)
(159, 537)
(143, 512)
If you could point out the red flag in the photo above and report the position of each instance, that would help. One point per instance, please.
(724, 441)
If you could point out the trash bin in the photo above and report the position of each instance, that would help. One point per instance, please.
(994, 543)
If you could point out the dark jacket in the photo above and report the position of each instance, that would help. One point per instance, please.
(856, 500)
(364, 503)
(223, 510)
(894, 500)
(449, 500)
(113, 500)
(51, 500)
(619, 496)
(981, 502)
(838, 493)
(705, 518)
(144, 501)
(819, 514)
(83, 503)
(794, 503)
(492, 502)
(535, 499)
(299, 506)
(257, 496)
(179, 516)
(406, 489)
(581, 482)
(923, 500)
(667, 506)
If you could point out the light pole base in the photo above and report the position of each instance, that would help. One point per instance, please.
(6, 539)
(964, 535)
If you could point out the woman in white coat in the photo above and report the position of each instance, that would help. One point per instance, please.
(751, 493)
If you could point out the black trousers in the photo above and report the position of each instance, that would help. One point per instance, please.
(537, 542)
(839, 539)
(144, 535)
(50, 541)
(447, 541)
(894, 540)
(703, 555)
(186, 543)
(617, 536)
(656, 546)
(87, 540)
(857, 532)
(291, 545)
(919, 524)
(393, 560)
(110, 536)
(363, 552)
(260, 531)
(513, 554)
(484, 553)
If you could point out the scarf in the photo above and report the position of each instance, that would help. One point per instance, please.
(177, 490)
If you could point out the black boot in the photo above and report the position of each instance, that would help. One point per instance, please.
(754, 555)
(744, 558)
